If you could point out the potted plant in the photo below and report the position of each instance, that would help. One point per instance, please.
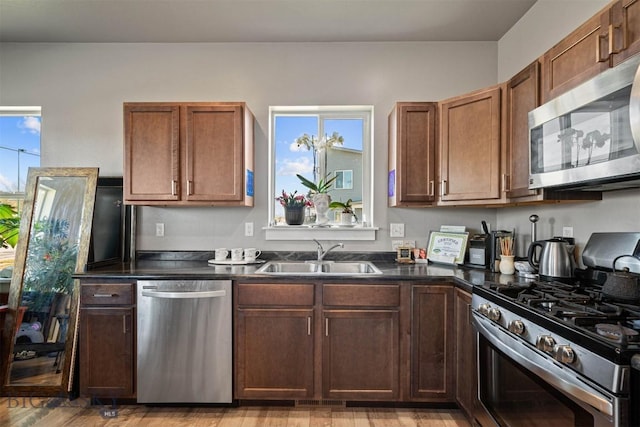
(346, 210)
(294, 205)
(319, 196)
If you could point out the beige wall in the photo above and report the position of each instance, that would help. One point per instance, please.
(81, 88)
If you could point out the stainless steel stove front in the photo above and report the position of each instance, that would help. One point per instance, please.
(530, 375)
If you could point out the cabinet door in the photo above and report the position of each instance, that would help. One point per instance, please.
(470, 158)
(522, 96)
(360, 354)
(274, 354)
(625, 30)
(412, 142)
(214, 153)
(106, 352)
(581, 55)
(466, 366)
(151, 152)
(432, 336)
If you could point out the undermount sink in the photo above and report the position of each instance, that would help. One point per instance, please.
(320, 268)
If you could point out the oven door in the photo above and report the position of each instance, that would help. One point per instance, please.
(520, 385)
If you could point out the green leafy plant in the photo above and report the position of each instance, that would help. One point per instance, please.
(345, 207)
(9, 226)
(322, 187)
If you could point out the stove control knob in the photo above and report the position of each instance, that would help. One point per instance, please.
(545, 343)
(494, 314)
(516, 327)
(564, 354)
(484, 309)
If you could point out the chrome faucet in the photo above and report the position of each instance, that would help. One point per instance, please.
(322, 252)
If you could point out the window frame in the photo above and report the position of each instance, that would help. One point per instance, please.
(342, 171)
(368, 229)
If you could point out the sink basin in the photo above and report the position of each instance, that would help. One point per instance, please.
(319, 268)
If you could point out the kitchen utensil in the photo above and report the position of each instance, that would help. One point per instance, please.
(556, 259)
(484, 227)
(622, 285)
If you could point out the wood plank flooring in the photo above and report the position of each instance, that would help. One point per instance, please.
(52, 412)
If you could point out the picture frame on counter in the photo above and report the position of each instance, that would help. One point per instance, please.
(447, 248)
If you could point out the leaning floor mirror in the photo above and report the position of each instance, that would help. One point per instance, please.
(39, 336)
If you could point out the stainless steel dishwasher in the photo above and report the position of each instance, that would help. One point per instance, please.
(184, 341)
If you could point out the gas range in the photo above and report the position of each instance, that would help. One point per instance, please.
(567, 341)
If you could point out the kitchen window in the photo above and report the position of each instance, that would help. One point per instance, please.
(19, 150)
(321, 142)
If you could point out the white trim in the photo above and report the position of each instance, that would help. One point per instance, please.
(20, 111)
(285, 232)
(364, 112)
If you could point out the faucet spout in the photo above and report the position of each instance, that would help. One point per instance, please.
(322, 253)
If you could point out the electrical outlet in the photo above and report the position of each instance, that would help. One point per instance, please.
(567, 231)
(159, 229)
(396, 230)
(248, 229)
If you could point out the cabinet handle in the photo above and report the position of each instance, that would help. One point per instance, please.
(308, 325)
(469, 322)
(599, 57)
(505, 182)
(124, 324)
(189, 188)
(104, 295)
(443, 187)
(326, 326)
(174, 186)
(432, 188)
(613, 28)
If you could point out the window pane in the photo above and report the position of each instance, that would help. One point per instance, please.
(319, 143)
(20, 148)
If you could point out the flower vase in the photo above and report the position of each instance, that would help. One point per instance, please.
(294, 215)
(321, 202)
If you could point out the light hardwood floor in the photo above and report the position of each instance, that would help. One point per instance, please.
(25, 412)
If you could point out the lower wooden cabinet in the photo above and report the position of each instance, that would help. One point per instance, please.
(466, 364)
(274, 353)
(349, 351)
(432, 340)
(106, 340)
(360, 348)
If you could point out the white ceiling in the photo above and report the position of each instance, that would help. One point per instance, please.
(257, 20)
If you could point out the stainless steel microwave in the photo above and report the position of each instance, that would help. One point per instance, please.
(589, 137)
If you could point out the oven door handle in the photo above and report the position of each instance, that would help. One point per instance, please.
(539, 364)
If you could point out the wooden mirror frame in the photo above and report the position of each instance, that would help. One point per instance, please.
(17, 281)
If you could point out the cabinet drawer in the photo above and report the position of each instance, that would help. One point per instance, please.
(275, 294)
(361, 295)
(106, 294)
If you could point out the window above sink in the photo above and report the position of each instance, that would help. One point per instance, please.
(350, 161)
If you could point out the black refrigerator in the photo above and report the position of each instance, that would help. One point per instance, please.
(113, 225)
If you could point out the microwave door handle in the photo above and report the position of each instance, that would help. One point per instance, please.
(538, 364)
(634, 110)
(185, 295)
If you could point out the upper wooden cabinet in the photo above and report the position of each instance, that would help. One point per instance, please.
(412, 148)
(470, 144)
(521, 95)
(188, 154)
(605, 40)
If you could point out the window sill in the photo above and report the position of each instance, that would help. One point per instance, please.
(305, 232)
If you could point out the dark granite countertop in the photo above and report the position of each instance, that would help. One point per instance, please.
(194, 265)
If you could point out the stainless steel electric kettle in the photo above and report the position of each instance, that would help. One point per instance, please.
(557, 260)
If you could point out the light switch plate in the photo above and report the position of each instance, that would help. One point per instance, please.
(248, 229)
(159, 229)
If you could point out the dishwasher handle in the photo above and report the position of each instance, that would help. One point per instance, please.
(185, 295)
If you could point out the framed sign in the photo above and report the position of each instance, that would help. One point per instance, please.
(447, 248)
